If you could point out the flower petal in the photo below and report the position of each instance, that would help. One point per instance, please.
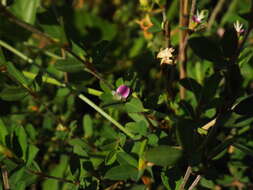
(123, 91)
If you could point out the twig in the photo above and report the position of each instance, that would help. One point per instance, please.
(182, 57)
(4, 172)
(195, 182)
(186, 177)
(215, 12)
(107, 116)
(166, 26)
(193, 6)
(168, 71)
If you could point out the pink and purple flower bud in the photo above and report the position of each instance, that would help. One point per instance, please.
(122, 92)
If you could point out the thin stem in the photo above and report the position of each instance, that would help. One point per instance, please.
(215, 12)
(182, 57)
(108, 117)
(186, 177)
(193, 7)
(15, 51)
(166, 26)
(4, 172)
(195, 182)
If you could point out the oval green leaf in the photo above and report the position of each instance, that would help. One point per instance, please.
(122, 172)
(13, 93)
(206, 48)
(163, 155)
(69, 65)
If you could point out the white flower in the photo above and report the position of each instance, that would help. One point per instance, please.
(166, 56)
(238, 27)
(198, 18)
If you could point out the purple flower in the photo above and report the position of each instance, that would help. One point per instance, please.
(123, 91)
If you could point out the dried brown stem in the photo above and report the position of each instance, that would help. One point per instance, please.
(193, 6)
(4, 172)
(186, 177)
(166, 26)
(195, 182)
(182, 57)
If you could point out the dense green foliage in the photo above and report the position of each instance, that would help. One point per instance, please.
(63, 126)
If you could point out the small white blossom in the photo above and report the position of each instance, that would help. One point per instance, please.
(166, 56)
(198, 18)
(238, 27)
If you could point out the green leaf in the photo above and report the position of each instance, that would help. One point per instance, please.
(2, 57)
(16, 74)
(111, 157)
(22, 139)
(138, 117)
(26, 10)
(185, 134)
(192, 85)
(80, 145)
(245, 106)
(31, 154)
(125, 158)
(206, 49)
(87, 126)
(139, 127)
(156, 25)
(244, 148)
(3, 132)
(187, 107)
(163, 155)
(210, 87)
(69, 65)
(207, 183)
(13, 93)
(108, 132)
(55, 31)
(59, 170)
(218, 149)
(17, 176)
(135, 105)
(122, 172)
(229, 43)
(138, 45)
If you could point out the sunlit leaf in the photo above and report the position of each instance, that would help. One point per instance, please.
(164, 155)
